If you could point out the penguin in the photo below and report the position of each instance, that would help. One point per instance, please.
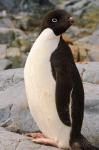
(53, 85)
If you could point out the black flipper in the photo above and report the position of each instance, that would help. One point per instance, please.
(77, 107)
(63, 85)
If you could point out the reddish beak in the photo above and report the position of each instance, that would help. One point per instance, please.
(71, 20)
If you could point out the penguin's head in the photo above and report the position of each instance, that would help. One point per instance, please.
(59, 21)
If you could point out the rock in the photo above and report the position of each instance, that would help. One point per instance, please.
(5, 4)
(46, 3)
(90, 11)
(80, 52)
(80, 4)
(96, 2)
(7, 35)
(12, 141)
(14, 111)
(89, 72)
(93, 53)
(13, 102)
(6, 23)
(77, 33)
(79, 12)
(13, 52)
(91, 117)
(3, 51)
(94, 38)
(67, 39)
(55, 2)
(76, 5)
(26, 22)
(3, 14)
(23, 60)
(84, 11)
(19, 5)
(24, 44)
(75, 52)
(5, 64)
(32, 36)
(83, 54)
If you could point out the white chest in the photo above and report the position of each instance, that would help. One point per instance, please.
(38, 74)
(39, 82)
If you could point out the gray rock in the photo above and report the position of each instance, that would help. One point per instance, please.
(96, 2)
(7, 35)
(25, 44)
(78, 13)
(6, 22)
(80, 4)
(76, 5)
(25, 21)
(91, 39)
(12, 141)
(6, 4)
(84, 40)
(23, 60)
(55, 2)
(3, 14)
(91, 117)
(89, 72)
(94, 38)
(3, 51)
(93, 53)
(13, 102)
(5, 64)
(76, 32)
(46, 3)
(20, 5)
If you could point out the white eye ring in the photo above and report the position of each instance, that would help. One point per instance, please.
(54, 20)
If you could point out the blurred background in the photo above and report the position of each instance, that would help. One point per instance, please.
(19, 27)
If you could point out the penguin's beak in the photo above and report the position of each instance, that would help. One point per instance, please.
(71, 20)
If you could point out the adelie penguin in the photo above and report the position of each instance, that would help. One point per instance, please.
(54, 88)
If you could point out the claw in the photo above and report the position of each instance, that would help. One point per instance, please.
(41, 139)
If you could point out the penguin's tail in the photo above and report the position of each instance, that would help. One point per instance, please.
(83, 144)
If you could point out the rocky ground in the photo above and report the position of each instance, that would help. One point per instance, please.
(15, 115)
(19, 27)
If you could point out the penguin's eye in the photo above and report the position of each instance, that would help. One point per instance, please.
(54, 20)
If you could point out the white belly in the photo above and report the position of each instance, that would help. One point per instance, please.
(40, 89)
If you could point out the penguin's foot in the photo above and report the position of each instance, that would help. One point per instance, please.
(41, 139)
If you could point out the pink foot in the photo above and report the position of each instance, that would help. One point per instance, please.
(41, 139)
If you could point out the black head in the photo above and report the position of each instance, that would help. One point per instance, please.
(59, 21)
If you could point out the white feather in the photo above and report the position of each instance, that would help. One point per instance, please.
(40, 88)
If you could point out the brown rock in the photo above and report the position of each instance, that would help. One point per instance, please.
(75, 51)
(3, 48)
(80, 52)
(13, 52)
(67, 39)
